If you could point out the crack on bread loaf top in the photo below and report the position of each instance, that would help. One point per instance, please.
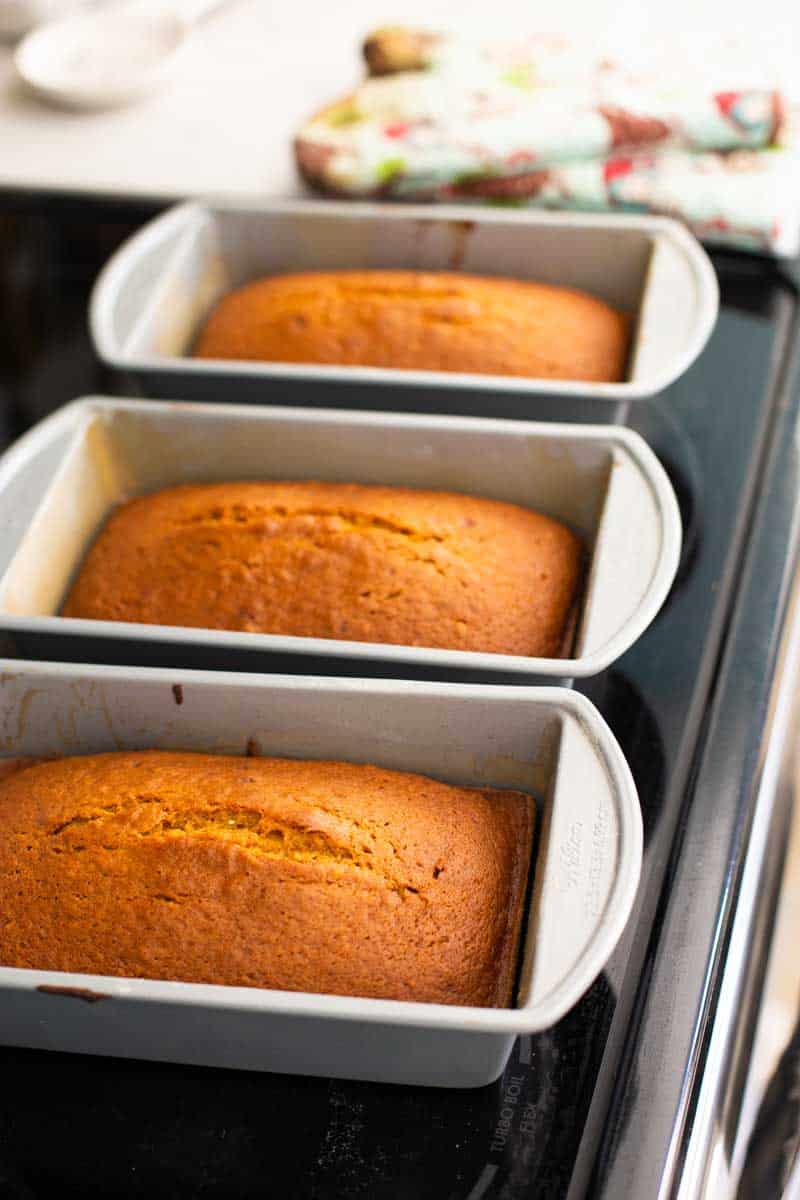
(414, 287)
(369, 287)
(242, 514)
(346, 522)
(257, 833)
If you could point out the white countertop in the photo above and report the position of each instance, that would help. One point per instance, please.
(222, 125)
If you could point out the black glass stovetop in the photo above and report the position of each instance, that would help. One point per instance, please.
(93, 1127)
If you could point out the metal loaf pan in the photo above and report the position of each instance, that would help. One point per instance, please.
(548, 741)
(59, 482)
(155, 292)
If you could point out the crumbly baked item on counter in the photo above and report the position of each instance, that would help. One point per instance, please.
(334, 560)
(394, 48)
(438, 321)
(262, 872)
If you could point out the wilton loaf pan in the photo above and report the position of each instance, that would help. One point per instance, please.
(604, 482)
(155, 292)
(548, 741)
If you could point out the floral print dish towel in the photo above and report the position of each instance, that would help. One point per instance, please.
(545, 123)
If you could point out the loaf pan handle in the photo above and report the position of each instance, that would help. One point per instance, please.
(636, 554)
(148, 299)
(590, 858)
(679, 310)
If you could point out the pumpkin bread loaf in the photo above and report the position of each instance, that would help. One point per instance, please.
(271, 873)
(332, 560)
(434, 321)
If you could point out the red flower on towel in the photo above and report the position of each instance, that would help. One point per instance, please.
(615, 168)
(726, 101)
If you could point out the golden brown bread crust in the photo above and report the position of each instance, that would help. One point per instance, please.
(369, 564)
(438, 321)
(305, 876)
